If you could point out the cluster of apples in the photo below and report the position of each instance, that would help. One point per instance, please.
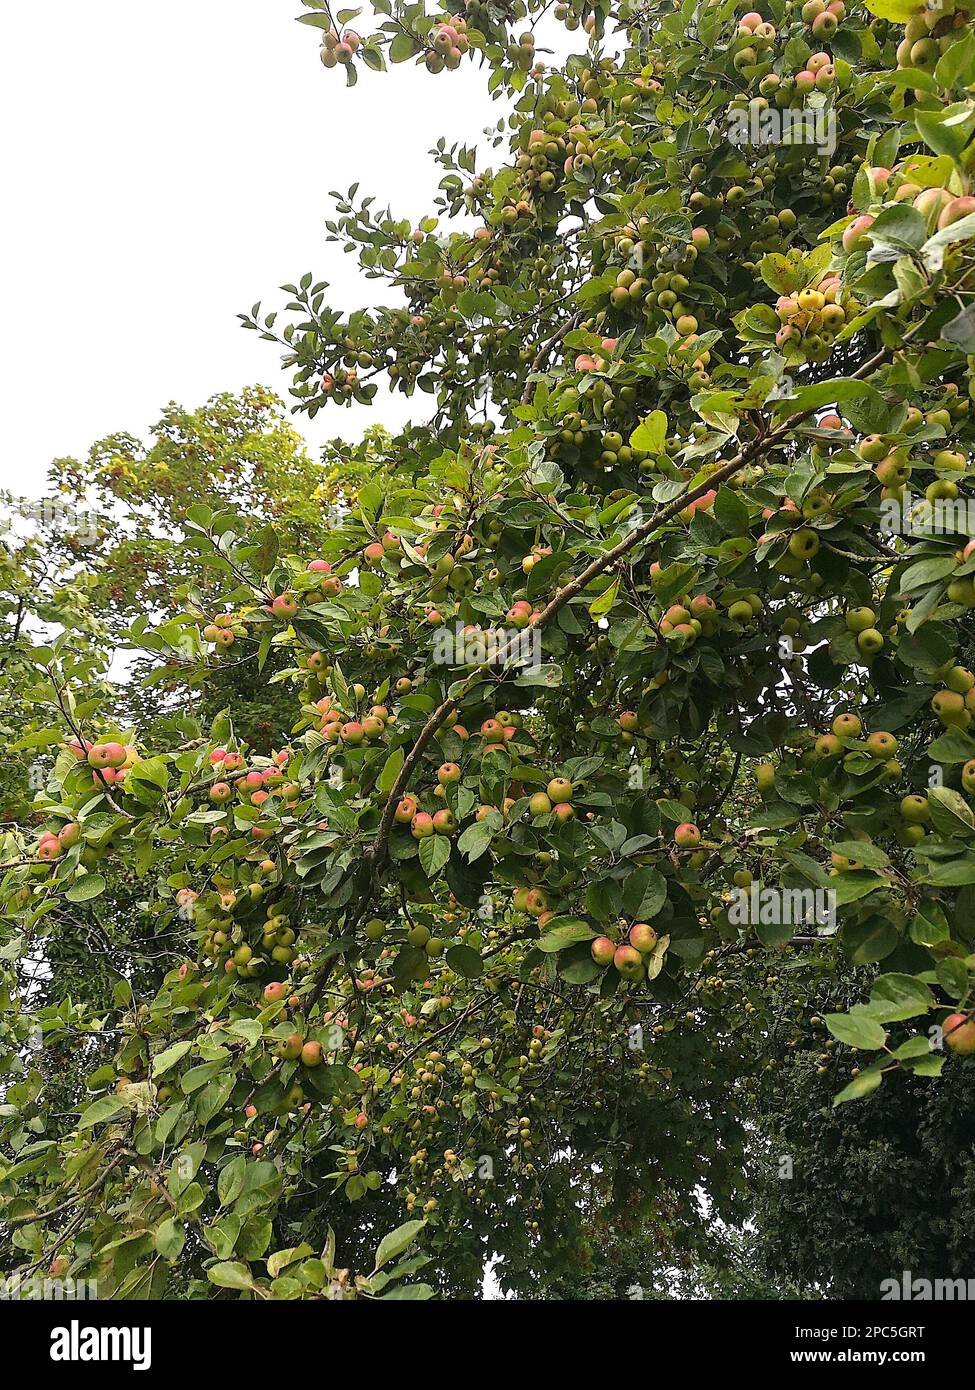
(328, 586)
(920, 47)
(110, 761)
(224, 942)
(760, 34)
(847, 728)
(223, 631)
(52, 845)
(812, 318)
(862, 622)
(256, 785)
(450, 43)
(629, 956)
(955, 705)
(374, 553)
(337, 727)
(341, 381)
(339, 50)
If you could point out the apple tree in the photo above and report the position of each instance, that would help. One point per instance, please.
(643, 657)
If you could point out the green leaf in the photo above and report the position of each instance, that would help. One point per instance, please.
(170, 1239)
(397, 1241)
(600, 606)
(950, 812)
(465, 961)
(434, 853)
(857, 1030)
(85, 888)
(162, 1062)
(651, 434)
(230, 1275)
(863, 1085)
(230, 1183)
(644, 894)
(392, 768)
(402, 48)
(564, 932)
(896, 997)
(106, 1108)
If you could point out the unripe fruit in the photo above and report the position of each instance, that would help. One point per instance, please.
(915, 809)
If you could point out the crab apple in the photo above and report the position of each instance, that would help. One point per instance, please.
(856, 231)
(447, 773)
(559, 790)
(642, 936)
(859, 619)
(847, 726)
(444, 822)
(958, 1031)
(602, 950)
(804, 544)
(628, 962)
(319, 567)
(405, 810)
(221, 792)
(421, 826)
(535, 902)
(283, 606)
(69, 835)
(881, 744)
(954, 211)
(915, 809)
(765, 776)
(311, 1054)
(289, 1048)
(687, 836)
(563, 811)
(540, 804)
(870, 641)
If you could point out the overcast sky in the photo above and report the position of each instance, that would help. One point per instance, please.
(165, 167)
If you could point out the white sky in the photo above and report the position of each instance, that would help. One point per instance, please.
(165, 167)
